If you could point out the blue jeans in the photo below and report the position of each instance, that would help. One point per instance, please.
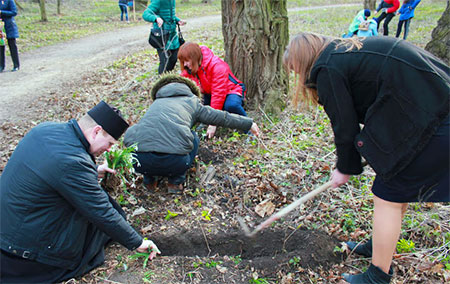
(123, 10)
(233, 103)
(172, 166)
(399, 28)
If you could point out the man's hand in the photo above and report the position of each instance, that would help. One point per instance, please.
(159, 21)
(338, 178)
(149, 246)
(103, 169)
(211, 131)
(181, 22)
(254, 129)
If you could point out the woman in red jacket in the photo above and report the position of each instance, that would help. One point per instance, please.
(388, 8)
(220, 88)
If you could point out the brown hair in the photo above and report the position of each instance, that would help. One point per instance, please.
(300, 56)
(190, 51)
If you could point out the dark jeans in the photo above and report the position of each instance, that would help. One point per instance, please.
(123, 10)
(233, 103)
(167, 60)
(399, 28)
(172, 166)
(14, 53)
(387, 17)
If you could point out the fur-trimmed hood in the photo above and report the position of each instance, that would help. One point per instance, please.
(160, 86)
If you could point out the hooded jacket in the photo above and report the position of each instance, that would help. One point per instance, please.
(50, 198)
(392, 5)
(8, 10)
(214, 77)
(399, 92)
(166, 126)
(407, 10)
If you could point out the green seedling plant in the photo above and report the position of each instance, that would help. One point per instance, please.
(295, 261)
(258, 281)
(405, 246)
(170, 215)
(121, 159)
(207, 215)
(147, 276)
(145, 255)
(236, 259)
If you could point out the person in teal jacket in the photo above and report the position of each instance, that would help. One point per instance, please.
(360, 17)
(371, 30)
(406, 14)
(162, 14)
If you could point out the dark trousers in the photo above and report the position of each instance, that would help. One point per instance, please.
(123, 10)
(233, 103)
(15, 269)
(172, 166)
(167, 60)
(14, 53)
(399, 27)
(387, 17)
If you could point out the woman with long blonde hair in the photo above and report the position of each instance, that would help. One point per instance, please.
(400, 94)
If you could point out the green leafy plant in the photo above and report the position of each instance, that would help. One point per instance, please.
(236, 259)
(144, 255)
(147, 276)
(170, 215)
(206, 214)
(258, 281)
(295, 261)
(405, 246)
(212, 264)
(121, 158)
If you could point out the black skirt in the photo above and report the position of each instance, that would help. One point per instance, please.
(426, 178)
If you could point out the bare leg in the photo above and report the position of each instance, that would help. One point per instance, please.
(387, 222)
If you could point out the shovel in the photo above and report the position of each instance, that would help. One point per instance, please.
(283, 211)
(286, 209)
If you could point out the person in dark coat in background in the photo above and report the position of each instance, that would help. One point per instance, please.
(55, 217)
(166, 144)
(8, 10)
(123, 5)
(400, 93)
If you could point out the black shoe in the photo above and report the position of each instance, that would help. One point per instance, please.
(15, 69)
(361, 249)
(373, 275)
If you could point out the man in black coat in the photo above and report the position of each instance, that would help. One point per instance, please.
(55, 217)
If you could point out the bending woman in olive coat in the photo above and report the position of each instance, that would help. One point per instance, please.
(400, 93)
(166, 144)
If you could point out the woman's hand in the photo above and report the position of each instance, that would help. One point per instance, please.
(338, 178)
(149, 246)
(254, 129)
(103, 169)
(211, 131)
(181, 22)
(159, 21)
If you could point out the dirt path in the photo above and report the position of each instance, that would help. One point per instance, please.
(49, 69)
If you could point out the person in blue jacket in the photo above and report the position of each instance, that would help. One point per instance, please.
(123, 5)
(406, 14)
(55, 218)
(8, 10)
(370, 31)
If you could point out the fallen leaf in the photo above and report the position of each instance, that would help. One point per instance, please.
(265, 208)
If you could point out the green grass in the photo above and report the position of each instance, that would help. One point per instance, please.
(338, 19)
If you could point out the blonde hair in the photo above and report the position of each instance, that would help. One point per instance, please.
(301, 54)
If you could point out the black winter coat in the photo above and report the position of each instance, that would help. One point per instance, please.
(50, 195)
(399, 92)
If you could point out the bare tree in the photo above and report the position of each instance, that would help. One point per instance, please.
(43, 12)
(439, 44)
(255, 36)
(58, 7)
(370, 4)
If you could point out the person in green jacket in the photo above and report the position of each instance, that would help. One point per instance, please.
(162, 14)
(362, 16)
(166, 143)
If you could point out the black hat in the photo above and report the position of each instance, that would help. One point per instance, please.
(109, 118)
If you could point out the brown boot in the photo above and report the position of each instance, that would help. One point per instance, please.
(174, 188)
(151, 186)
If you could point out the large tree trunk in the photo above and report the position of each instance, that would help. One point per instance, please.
(439, 44)
(255, 36)
(43, 13)
(370, 4)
